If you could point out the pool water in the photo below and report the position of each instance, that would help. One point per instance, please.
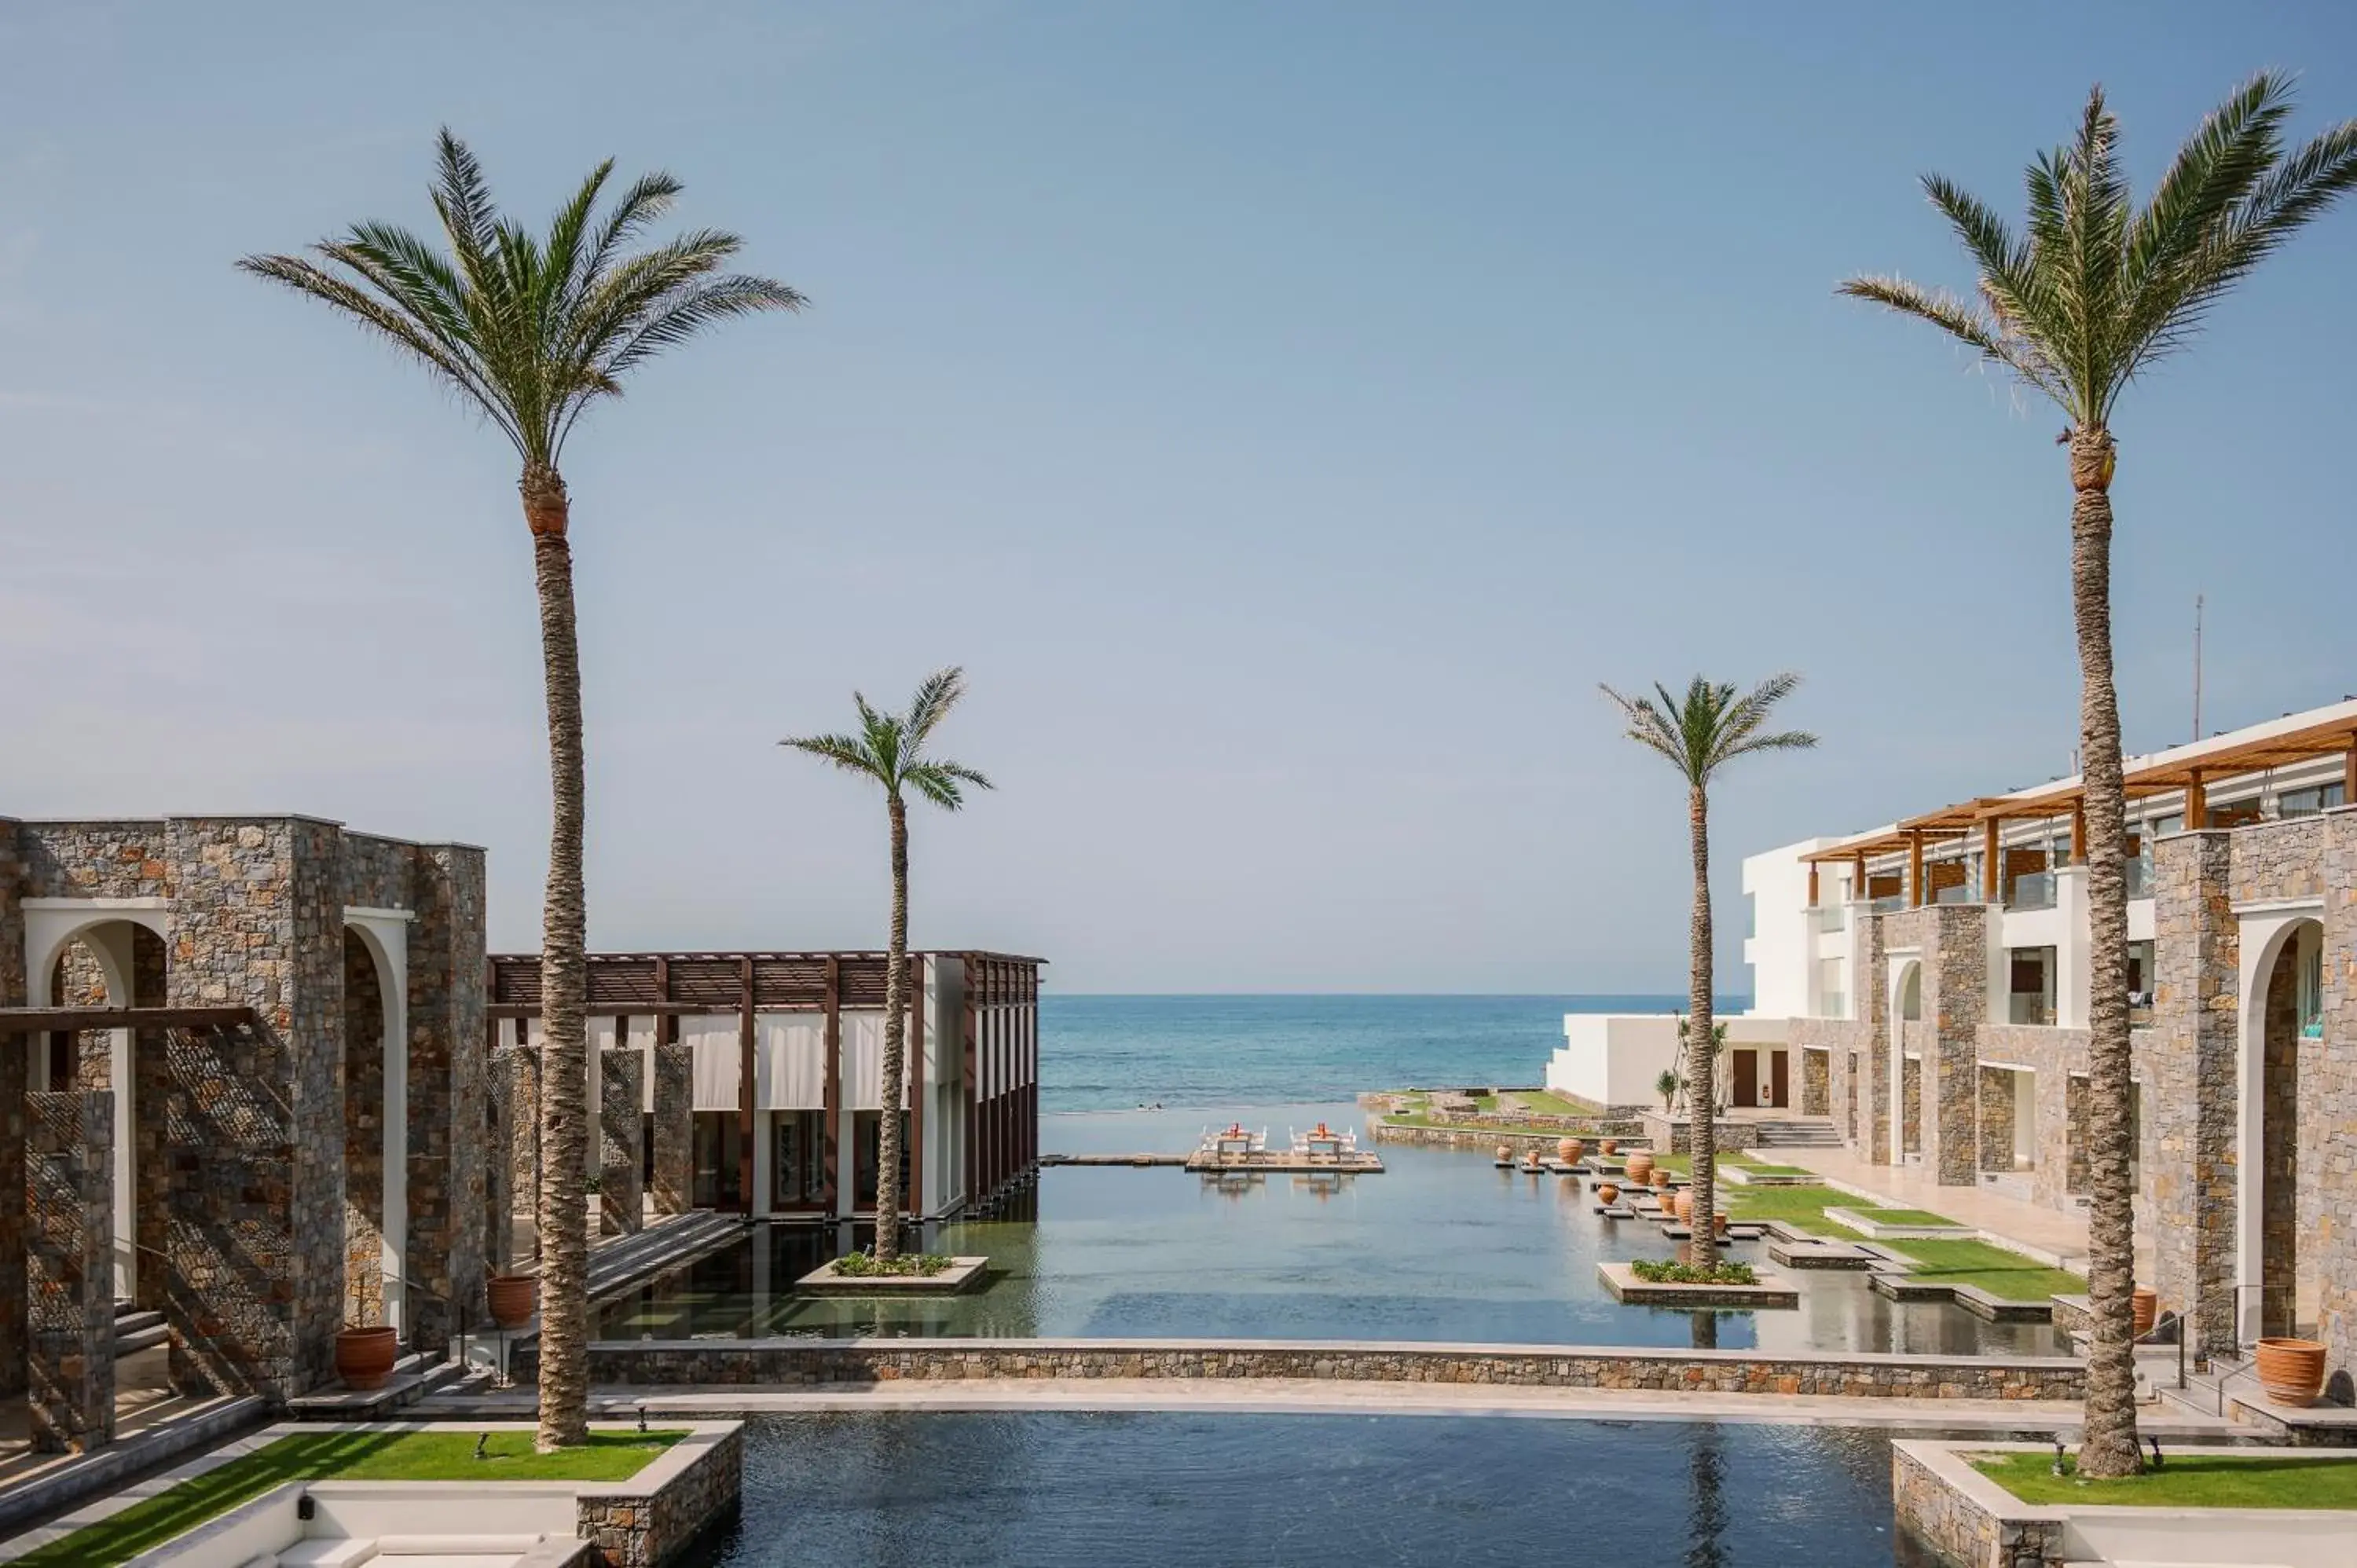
(1440, 1247)
(1045, 1490)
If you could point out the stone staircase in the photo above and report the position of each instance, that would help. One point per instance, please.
(1798, 1132)
(135, 1330)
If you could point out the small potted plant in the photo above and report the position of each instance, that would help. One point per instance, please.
(365, 1355)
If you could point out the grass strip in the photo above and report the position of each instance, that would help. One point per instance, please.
(2185, 1480)
(443, 1455)
(2006, 1275)
(1899, 1216)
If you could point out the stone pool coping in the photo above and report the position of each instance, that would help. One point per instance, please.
(963, 1275)
(806, 1362)
(1970, 1518)
(642, 1521)
(1770, 1293)
(1873, 1230)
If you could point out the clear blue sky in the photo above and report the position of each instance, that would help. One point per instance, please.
(1288, 414)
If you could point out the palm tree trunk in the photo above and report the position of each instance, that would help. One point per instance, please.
(1702, 1097)
(2108, 1443)
(563, 990)
(891, 1092)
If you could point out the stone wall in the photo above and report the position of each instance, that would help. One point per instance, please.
(2052, 1056)
(13, 1082)
(1950, 942)
(524, 1127)
(798, 1362)
(2193, 1111)
(365, 1069)
(1915, 1040)
(1996, 1120)
(498, 1198)
(643, 1529)
(1842, 1046)
(621, 1129)
(1959, 1529)
(70, 1269)
(449, 1103)
(674, 1126)
(1816, 1089)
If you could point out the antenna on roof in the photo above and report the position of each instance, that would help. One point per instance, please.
(2197, 667)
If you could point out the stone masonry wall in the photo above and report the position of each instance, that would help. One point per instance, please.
(2194, 1112)
(450, 1153)
(1951, 942)
(621, 1127)
(1996, 1120)
(801, 1363)
(365, 1069)
(1961, 1532)
(675, 1127)
(70, 1266)
(2052, 1056)
(498, 1197)
(1816, 1091)
(643, 1529)
(13, 1082)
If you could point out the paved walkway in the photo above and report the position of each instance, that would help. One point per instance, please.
(2048, 1234)
(1307, 1396)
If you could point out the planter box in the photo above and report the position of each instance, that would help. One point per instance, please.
(961, 1275)
(1770, 1293)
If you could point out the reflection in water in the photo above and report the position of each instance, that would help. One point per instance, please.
(1065, 1490)
(1438, 1247)
(1706, 1330)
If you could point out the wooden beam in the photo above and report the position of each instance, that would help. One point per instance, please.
(1812, 884)
(40, 1020)
(1915, 869)
(619, 1009)
(2349, 774)
(2078, 831)
(2196, 802)
(831, 1091)
(1991, 852)
(1857, 879)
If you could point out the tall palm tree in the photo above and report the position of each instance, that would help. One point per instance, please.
(531, 332)
(1699, 734)
(889, 749)
(2095, 291)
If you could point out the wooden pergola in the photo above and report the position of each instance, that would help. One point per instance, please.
(47, 1020)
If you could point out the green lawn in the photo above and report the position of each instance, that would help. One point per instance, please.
(441, 1456)
(1897, 1215)
(1424, 1118)
(2006, 1275)
(1546, 1103)
(2185, 1480)
(1803, 1208)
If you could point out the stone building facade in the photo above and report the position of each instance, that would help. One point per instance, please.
(322, 1158)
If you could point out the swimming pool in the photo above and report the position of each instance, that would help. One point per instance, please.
(1175, 1491)
(1440, 1247)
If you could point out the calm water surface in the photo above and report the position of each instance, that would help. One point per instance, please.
(1441, 1246)
(1048, 1490)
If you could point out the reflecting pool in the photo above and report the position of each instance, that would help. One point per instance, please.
(1177, 1490)
(1441, 1246)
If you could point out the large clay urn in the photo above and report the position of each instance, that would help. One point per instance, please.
(1568, 1150)
(1718, 1224)
(364, 1356)
(1611, 1148)
(2147, 1301)
(1685, 1206)
(1505, 1155)
(1640, 1166)
(1606, 1194)
(514, 1298)
(2291, 1372)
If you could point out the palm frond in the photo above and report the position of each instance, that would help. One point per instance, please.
(1710, 725)
(936, 696)
(890, 748)
(847, 752)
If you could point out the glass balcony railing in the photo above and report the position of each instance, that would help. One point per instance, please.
(2029, 1007)
(1833, 917)
(2140, 878)
(2031, 890)
(1889, 904)
(1833, 1005)
(1960, 892)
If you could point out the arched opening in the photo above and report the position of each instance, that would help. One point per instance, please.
(1910, 993)
(2291, 1016)
(375, 1136)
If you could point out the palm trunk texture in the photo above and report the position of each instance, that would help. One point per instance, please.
(2108, 1443)
(896, 1047)
(1702, 1095)
(564, 992)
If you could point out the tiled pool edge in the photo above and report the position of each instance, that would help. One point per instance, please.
(805, 1362)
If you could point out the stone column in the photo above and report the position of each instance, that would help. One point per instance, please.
(1955, 1002)
(14, 1061)
(524, 1130)
(1997, 1119)
(2195, 1100)
(1816, 1083)
(621, 1122)
(499, 1169)
(449, 1146)
(1870, 1004)
(674, 1129)
(69, 1265)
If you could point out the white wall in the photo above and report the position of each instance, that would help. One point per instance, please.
(1613, 1058)
(1781, 950)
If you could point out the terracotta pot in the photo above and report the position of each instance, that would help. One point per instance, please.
(1606, 1194)
(514, 1298)
(1685, 1206)
(1568, 1150)
(364, 1356)
(2291, 1370)
(1611, 1148)
(1718, 1224)
(1640, 1166)
(1505, 1153)
(2148, 1308)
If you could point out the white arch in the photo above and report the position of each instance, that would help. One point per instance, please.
(385, 934)
(1905, 964)
(101, 926)
(2266, 930)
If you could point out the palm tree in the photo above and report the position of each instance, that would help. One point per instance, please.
(2093, 293)
(1699, 734)
(890, 749)
(531, 332)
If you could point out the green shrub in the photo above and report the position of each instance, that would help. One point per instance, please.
(863, 1265)
(1655, 1272)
